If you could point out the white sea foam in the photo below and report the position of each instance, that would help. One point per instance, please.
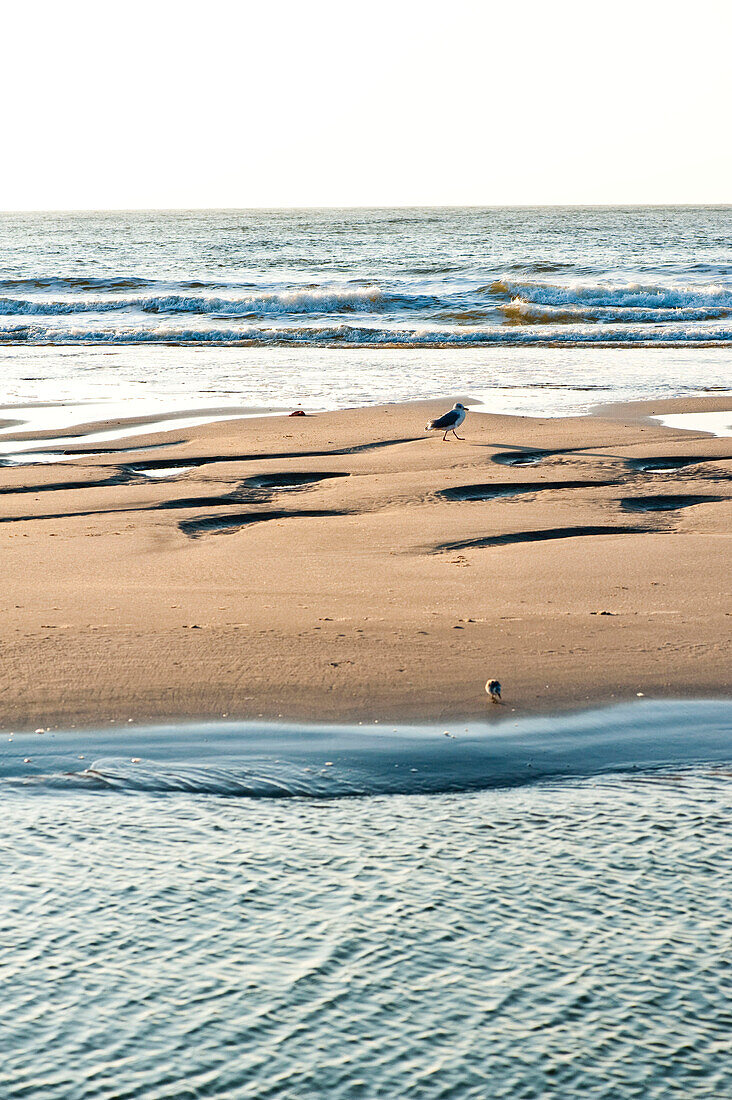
(652, 296)
(325, 299)
(381, 316)
(395, 336)
(534, 313)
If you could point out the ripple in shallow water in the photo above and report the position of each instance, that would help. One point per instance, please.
(267, 760)
(567, 939)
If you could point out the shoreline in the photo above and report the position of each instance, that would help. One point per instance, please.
(251, 759)
(345, 566)
(529, 381)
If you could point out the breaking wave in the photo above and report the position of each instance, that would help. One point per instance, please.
(438, 308)
(522, 312)
(293, 301)
(656, 311)
(351, 335)
(627, 295)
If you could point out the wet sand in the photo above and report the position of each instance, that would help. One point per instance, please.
(346, 566)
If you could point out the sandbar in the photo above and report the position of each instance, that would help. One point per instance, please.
(346, 566)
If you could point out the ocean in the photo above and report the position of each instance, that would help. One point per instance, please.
(524, 910)
(531, 310)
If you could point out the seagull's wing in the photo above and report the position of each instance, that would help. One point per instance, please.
(445, 421)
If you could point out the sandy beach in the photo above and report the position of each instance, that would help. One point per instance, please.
(347, 566)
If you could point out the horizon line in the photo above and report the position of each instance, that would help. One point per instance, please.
(379, 206)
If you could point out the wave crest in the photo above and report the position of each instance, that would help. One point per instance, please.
(74, 282)
(626, 295)
(405, 313)
(522, 312)
(349, 335)
(291, 301)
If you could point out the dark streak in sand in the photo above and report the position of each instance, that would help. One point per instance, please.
(663, 464)
(519, 458)
(229, 522)
(535, 536)
(290, 480)
(125, 477)
(206, 460)
(668, 502)
(490, 490)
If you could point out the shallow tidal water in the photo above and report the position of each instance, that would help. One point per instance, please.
(565, 936)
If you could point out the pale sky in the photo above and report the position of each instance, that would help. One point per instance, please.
(176, 104)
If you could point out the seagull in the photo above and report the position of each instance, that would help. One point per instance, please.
(449, 422)
(493, 688)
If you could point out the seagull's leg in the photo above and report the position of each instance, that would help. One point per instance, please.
(444, 438)
(456, 435)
